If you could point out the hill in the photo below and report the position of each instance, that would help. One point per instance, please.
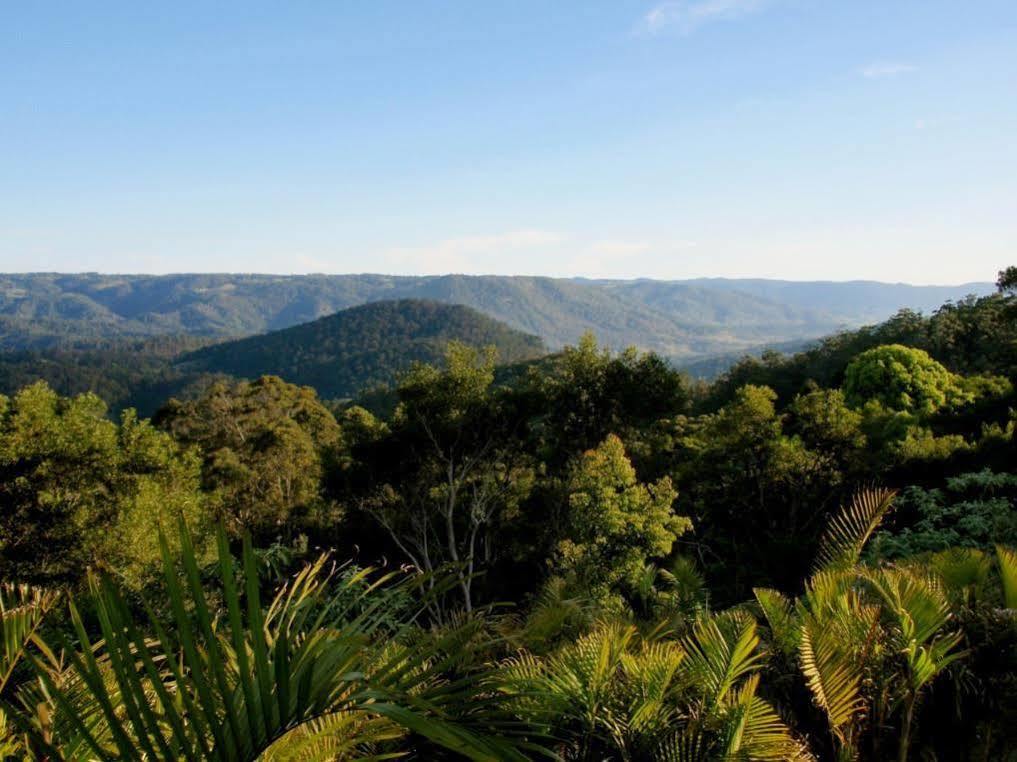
(850, 302)
(679, 319)
(357, 348)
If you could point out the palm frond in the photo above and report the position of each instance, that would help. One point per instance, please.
(781, 618)
(833, 677)
(1006, 558)
(721, 649)
(848, 531)
(754, 730)
(201, 689)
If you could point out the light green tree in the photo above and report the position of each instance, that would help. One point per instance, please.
(615, 523)
(901, 378)
(78, 490)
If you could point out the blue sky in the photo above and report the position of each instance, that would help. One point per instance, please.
(767, 138)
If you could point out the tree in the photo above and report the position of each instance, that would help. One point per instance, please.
(1006, 283)
(450, 472)
(266, 448)
(588, 393)
(901, 378)
(78, 490)
(615, 524)
(757, 495)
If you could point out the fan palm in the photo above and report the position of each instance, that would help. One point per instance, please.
(301, 671)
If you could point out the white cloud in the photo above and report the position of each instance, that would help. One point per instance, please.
(685, 16)
(883, 69)
(473, 254)
(618, 248)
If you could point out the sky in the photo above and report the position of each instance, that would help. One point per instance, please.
(796, 139)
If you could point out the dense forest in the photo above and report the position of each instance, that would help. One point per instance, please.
(590, 557)
(341, 355)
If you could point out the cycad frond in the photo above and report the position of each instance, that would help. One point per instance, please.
(850, 529)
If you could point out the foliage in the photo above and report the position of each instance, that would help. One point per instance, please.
(266, 447)
(77, 490)
(612, 694)
(902, 378)
(267, 677)
(970, 510)
(614, 523)
(355, 349)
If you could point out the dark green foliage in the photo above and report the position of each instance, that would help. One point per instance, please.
(971, 336)
(267, 447)
(974, 510)
(361, 347)
(136, 373)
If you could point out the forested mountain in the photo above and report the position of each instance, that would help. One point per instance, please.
(345, 353)
(851, 302)
(340, 355)
(680, 320)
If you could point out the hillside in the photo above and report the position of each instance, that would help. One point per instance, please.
(847, 301)
(357, 348)
(681, 320)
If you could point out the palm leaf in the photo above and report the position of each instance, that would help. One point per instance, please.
(1006, 559)
(780, 615)
(755, 731)
(721, 650)
(848, 531)
(200, 690)
(833, 677)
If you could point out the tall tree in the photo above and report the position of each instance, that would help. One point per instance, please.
(450, 471)
(615, 525)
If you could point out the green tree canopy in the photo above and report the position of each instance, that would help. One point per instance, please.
(615, 523)
(901, 378)
(267, 446)
(78, 490)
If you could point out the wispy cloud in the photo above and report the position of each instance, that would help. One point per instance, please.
(686, 16)
(477, 253)
(883, 69)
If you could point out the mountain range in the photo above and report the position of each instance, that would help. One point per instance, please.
(682, 320)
